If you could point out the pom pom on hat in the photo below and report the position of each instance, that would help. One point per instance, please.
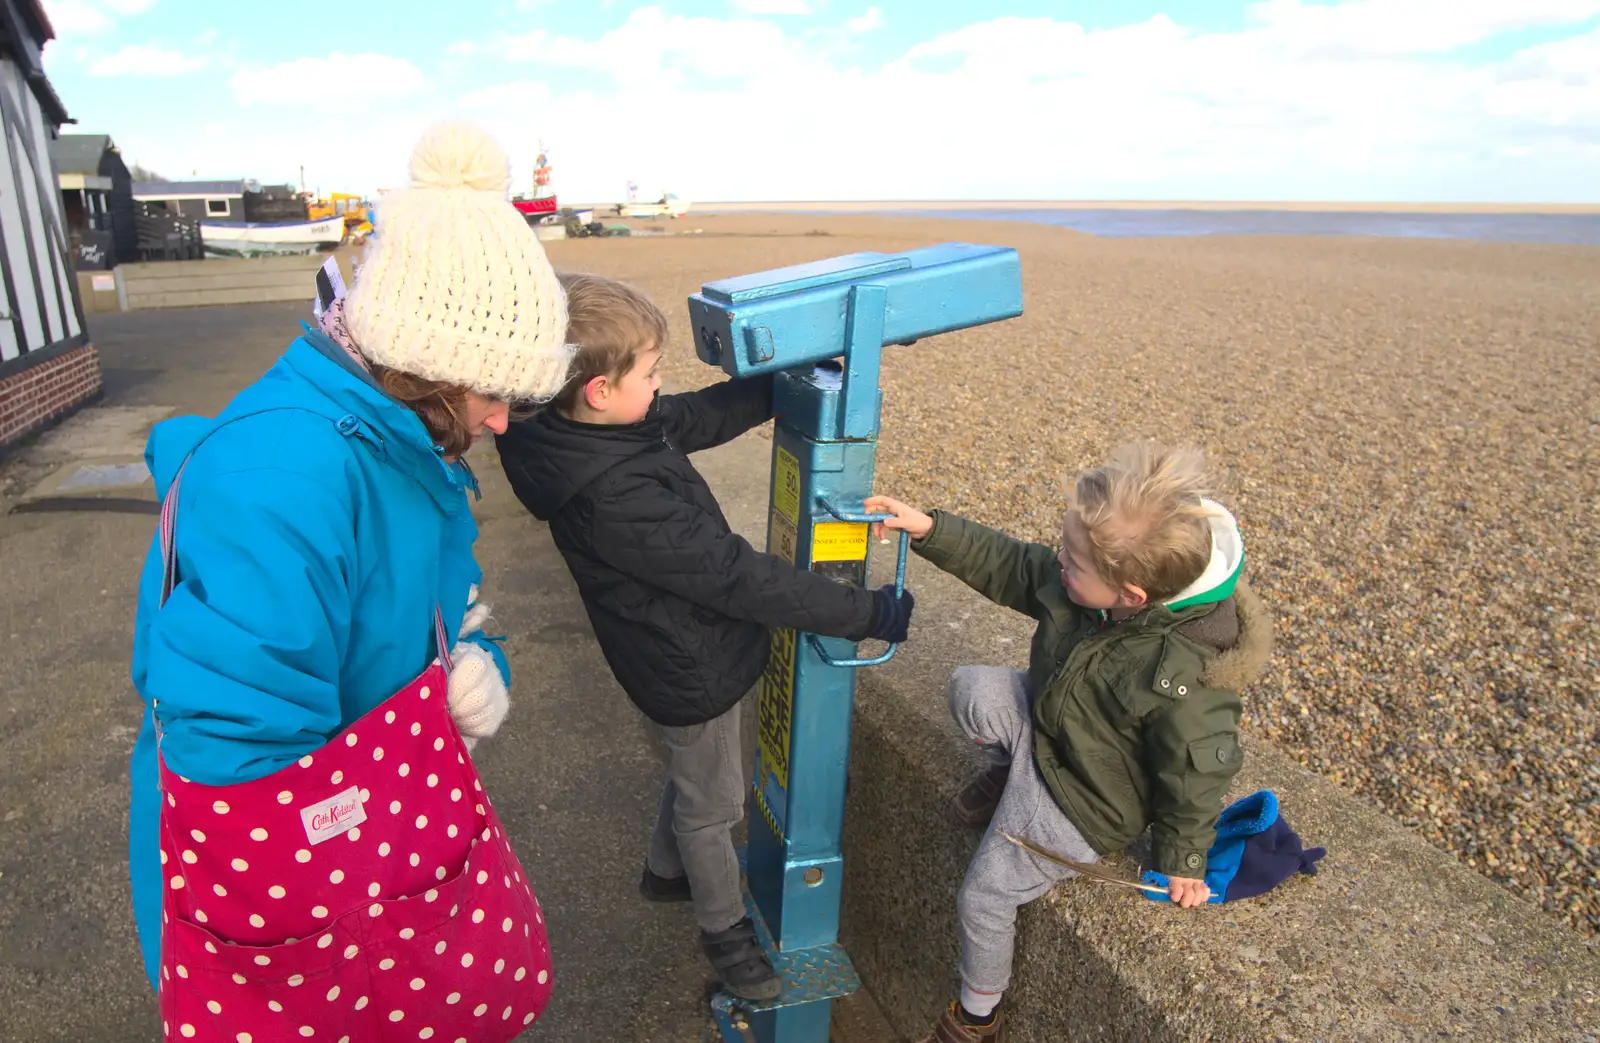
(455, 286)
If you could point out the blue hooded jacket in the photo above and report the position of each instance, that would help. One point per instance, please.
(317, 527)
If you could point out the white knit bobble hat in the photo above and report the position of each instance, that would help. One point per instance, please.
(455, 286)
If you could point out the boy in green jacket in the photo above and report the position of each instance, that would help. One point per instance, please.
(1128, 714)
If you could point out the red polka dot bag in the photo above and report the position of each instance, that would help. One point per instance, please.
(364, 894)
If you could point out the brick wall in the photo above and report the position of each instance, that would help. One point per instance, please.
(30, 399)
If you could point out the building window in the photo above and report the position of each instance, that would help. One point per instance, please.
(217, 208)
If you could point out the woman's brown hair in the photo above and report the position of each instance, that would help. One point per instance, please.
(442, 407)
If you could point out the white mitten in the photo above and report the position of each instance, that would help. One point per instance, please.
(478, 698)
(477, 615)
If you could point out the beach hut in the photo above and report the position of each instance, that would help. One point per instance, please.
(47, 364)
(97, 199)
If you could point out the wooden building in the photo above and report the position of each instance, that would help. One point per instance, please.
(97, 199)
(229, 202)
(47, 364)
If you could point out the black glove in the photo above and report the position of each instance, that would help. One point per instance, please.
(891, 616)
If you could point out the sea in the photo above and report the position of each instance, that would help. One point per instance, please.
(1576, 228)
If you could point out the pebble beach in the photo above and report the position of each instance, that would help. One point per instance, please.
(1407, 430)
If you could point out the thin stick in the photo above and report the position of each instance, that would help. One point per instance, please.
(1088, 869)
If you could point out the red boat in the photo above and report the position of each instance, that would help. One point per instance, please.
(538, 206)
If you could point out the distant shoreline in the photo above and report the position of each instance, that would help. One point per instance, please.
(863, 206)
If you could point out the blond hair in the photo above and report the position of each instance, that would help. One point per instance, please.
(612, 324)
(1146, 517)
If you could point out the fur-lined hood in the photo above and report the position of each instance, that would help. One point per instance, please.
(1241, 663)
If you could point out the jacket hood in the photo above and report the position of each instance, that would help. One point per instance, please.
(1216, 583)
(317, 375)
(551, 458)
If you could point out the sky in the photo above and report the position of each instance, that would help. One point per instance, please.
(1349, 100)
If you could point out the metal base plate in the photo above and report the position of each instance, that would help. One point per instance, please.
(823, 972)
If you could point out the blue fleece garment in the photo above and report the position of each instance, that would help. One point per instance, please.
(317, 527)
(1254, 852)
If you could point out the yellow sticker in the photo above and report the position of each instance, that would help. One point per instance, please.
(839, 541)
(775, 711)
(786, 484)
(782, 536)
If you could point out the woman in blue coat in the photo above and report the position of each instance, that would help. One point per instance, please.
(324, 514)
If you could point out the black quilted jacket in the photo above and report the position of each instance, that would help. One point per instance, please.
(679, 603)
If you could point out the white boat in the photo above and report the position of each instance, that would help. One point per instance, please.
(668, 206)
(239, 239)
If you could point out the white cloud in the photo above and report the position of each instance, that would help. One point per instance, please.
(86, 17)
(868, 20)
(340, 81)
(138, 60)
(772, 6)
(1407, 26)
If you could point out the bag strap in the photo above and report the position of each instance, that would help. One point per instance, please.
(169, 563)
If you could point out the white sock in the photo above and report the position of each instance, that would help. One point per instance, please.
(979, 1004)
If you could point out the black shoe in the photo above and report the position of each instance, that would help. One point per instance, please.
(736, 955)
(664, 888)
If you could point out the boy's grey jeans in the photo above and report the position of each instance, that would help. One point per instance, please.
(702, 801)
(991, 705)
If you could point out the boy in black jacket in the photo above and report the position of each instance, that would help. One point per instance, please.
(679, 603)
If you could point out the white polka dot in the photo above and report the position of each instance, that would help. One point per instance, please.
(507, 879)
(307, 1030)
(373, 889)
(275, 1006)
(483, 876)
(506, 925)
(416, 729)
(350, 740)
(422, 821)
(199, 837)
(258, 834)
(305, 762)
(177, 883)
(171, 802)
(466, 959)
(397, 1015)
(455, 794)
(350, 954)
(499, 965)
(238, 979)
(385, 965)
(505, 1015)
(222, 892)
(163, 858)
(187, 1030)
(374, 909)
(336, 778)
(433, 780)
(296, 980)
(377, 754)
(302, 856)
(538, 916)
(354, 834)
(441, 872)
(166, 974)
(452, 831)
(407, 933)
(361, 1003)
(366, 794)
(522, 972)
(416, 859)
(200, 915)
(384, 849)
(276, 891)
(438, 744)
(477, 784)
(183, 972)
(220, 807)
(262, 961)
(438, 950)
(394, 807)
(417, 984)
(528, 1020)
(257, 921)
(405, 769)
(388, 718)
(431, 896)
(478, 1011)
(333, 994)
(244, 1037)
(212, 949)
(425, 1034)
(327, 939)
(544, 976)
(454, 909)
(426, 691)
(285, 797)
(190, 857)
(336, 877)
(240, 865)
(453, 998)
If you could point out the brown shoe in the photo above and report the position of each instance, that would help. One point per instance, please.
(951, 1029)
(976, 803)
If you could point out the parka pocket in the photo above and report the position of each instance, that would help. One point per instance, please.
(1216, 754)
